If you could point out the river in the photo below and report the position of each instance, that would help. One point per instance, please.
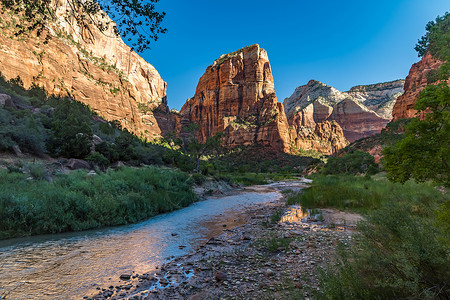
(72, 265)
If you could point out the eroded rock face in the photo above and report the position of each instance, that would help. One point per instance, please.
(236, 96)
(356, 120)
(361, 112)
(326, 137)
(95, 68)
(380, 97)
(416, 81)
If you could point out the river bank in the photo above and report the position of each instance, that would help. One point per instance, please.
(274, 254)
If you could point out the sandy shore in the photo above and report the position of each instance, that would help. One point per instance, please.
(265, 258)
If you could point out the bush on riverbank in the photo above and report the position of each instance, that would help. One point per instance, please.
(353, 162)
(402, 253)
(402, 250)
(78, 201)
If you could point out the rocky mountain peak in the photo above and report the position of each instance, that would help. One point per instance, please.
(362, 111)
(236, 95)
(311, 92)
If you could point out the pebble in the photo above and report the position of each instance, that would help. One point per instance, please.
(221, 276)
(125, 276)
(226, 270)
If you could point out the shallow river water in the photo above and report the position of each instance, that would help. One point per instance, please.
(70, 266)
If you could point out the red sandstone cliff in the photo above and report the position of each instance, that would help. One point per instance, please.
(96, 68)
(326, 137)
(416, 81)
(361, 112)
(236, 95)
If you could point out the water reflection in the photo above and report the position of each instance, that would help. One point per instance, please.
(68, 266)
(294, 214)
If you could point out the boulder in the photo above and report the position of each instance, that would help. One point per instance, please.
(96, 139)
(75, 164)
(6, 101)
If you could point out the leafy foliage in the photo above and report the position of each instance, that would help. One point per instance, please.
(260, 159)
(437, 38)
(399, 254)
(78, 202)
(424, 152)
(65, 128)
(352, 162)
(191, 147)
(137, 22)
(71, 134)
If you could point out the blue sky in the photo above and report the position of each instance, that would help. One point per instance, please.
(339, 42)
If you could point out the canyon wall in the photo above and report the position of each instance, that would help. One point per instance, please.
(416, 81)
(361, 112)
(94, 67)
(236, 95)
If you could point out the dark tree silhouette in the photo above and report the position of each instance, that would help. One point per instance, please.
(137, 22)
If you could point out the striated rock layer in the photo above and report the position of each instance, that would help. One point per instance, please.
(326, 137)
(416, 81)
(94, 67)
(361, 112)
(236, 95)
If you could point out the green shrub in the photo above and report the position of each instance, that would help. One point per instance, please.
(400, 254)
(78, 202)
(198, 178)
(71, 132)
(23, 130)
(108, 150)
(350, 163)
(38, 171)
(98, 159)
(106, 128)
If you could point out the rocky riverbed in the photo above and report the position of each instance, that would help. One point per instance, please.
(274, 255)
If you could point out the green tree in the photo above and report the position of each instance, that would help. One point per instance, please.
(437, 38)
(353, 162)
(137, 21)
(195, 149)
(71, 133)
(424, 153)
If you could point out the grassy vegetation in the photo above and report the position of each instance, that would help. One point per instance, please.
(360, 194)
(247, 179)
(78, 201)
(260, 159)
(402, 252)
(403, 246)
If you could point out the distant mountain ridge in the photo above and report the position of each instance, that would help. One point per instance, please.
(362, 111)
